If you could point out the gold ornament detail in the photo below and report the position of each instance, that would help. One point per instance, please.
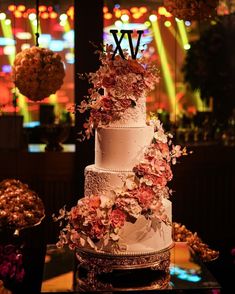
(182, 234)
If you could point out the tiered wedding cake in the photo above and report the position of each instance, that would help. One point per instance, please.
(125, 208)
(119, 147)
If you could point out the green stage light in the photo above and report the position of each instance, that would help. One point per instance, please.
(7, 33)
(183, 34)
(170, 88)
(24, 108)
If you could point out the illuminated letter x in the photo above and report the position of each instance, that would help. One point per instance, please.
(118, 42)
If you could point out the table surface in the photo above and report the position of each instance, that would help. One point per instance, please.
(187, 272)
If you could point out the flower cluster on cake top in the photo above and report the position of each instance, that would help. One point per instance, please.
(116, 86)
(98, 219)
(191, 9)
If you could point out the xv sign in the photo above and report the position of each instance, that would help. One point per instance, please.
(133, 51)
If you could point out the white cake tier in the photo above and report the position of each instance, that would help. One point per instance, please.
(133, 116)
(139, 237)
(120, 149)
(103, 182)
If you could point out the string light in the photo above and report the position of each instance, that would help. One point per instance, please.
(53, 15)
(153, 17)
(2, 16)
(8, 22)
(11, 7)
(143, 9)
(118, 23)
(32, 16)
(63, 17)
(45, 15)
(21, 8)
(167, 23)
(125, 17)
(108, 16)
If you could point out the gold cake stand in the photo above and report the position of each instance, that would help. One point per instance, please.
(95, 268)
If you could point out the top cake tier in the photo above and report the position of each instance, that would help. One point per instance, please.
(132, 117)
(119, 149)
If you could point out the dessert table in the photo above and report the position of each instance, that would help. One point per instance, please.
(187, 273)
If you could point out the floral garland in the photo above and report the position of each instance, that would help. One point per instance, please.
(38, 72)
(116, 86)
(191, 9)
(98, 218)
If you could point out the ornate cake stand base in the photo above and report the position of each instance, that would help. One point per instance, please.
(101, 271)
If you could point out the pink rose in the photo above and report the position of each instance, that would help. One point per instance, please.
(97, 230)
(117, 218)
(75, 214)
(108, 82)
(135, 67)
(94, 202)
(107, 103)
(141, 169)
(145, 196)
(125, 103)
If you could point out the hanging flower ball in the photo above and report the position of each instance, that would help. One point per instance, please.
(191, 9)
(38, 73)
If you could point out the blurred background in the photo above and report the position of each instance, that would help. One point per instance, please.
(195, 95)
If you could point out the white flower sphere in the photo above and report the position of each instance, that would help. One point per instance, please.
(38, 73)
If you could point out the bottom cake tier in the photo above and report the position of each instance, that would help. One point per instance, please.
(145, 235)
(140, 237)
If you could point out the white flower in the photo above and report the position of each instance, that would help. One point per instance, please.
(106, 202)
(160, 136)
(130, 183)
(114, 237)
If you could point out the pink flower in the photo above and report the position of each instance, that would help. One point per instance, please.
(135, 67)
(94, 202)
(125, 103)
(122, 79)
(142, 168)
(145, 196)
(107, 103)
(159, 181)
(176, 151)
(76, 217)
(117, 218)
(97, 230)
(107, 81)
(164, 148)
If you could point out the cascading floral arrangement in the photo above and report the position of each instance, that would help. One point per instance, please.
(97, 220)
(38, 72)
(116, 86)
(191, 9)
